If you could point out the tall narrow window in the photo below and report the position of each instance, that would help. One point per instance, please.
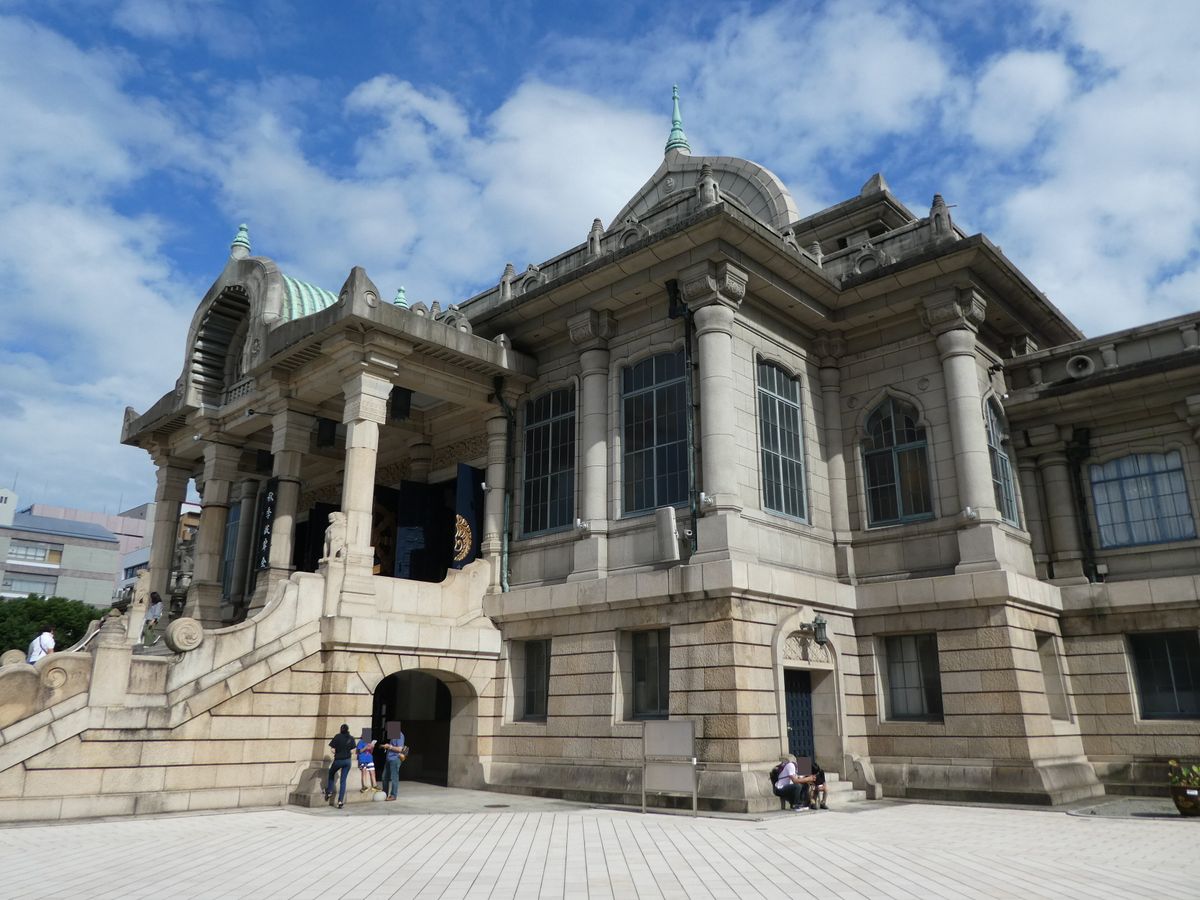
(537, 680)
(652, 674)
(1142, 499)
(914, 680)
(896, 465)
(229, 550)
(1002, 476)
(782, 441)
(654, 433)
(549, 490)
(1168, 674)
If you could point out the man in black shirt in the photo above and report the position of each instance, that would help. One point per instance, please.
(343, 748)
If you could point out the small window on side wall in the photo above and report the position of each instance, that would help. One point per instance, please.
(912, 678)
(537, 680)
(1052, 677)
(896, 465)
(1167, 670)
(1002, 474)
(652, 674)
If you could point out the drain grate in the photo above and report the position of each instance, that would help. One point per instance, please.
(495, 806)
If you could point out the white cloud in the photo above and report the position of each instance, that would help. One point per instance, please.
(1015, 96)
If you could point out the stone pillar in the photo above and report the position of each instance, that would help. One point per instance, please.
(366, 409)
(112, 656)
(421, 456)
(829, 347)
(244, 558)
(954, 317)
(169, 494)
(220, 471)
(291, 432)
(493, 510)
(1067, 555)
(713, 292)
(590, 332)
(1035, 522)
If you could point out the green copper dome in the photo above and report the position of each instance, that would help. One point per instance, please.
(302, 299)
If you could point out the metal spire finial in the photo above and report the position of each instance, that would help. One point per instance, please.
(677, 140)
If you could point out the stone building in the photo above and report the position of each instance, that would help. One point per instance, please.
(844, 483)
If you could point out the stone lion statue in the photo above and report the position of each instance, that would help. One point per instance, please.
(335, 538)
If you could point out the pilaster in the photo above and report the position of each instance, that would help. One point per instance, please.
(829, 348)
(493, 510)
(590, 332)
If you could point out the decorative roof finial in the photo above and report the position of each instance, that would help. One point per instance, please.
(401, 300)
(240, 248)
(677, 140)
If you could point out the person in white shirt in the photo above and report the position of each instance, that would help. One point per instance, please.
(153, 614)
(42, 645)
(791, 786)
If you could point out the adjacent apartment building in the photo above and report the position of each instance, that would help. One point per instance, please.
(52, 556)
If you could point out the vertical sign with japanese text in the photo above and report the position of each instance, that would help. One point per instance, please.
(266, 525)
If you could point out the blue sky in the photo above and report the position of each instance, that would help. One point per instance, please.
(434, 142)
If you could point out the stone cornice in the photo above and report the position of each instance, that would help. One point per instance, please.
(591, 329)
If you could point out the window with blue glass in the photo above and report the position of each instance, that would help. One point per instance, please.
(548, 497)
(654, 433)
(896, 465)
(1142, 499)
(781, 439)
(1002, 474)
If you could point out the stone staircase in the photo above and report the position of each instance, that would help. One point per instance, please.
(840, 793)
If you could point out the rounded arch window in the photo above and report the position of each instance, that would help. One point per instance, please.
(896, 465)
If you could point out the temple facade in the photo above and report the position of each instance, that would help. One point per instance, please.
(844, 484)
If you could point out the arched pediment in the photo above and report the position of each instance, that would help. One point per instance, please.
(747, 185)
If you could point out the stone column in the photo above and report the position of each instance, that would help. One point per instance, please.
(493, 510)
(244, 558)
(954, 317)
(421, 456)
(829, 348)
(714, 291)
(366, 409)
(291, 432)
(1067, 555)
(220, 471)
(590, 332)
(169, 494)
(1035, 522)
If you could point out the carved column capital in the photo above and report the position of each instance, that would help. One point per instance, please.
(959, 308)
(829, 346)
(707, 283)
(366, 398)
(291, 430)
(591, 328)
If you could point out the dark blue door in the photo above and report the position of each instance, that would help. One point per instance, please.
(797, 702)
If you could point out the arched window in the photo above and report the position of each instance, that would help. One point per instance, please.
(1002, 476)
(654, 433)
(781, 451)
(896, 465)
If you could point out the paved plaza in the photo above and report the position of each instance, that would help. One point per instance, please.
(491, 845)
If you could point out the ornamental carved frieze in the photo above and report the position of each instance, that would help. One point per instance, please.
(802, 648)
(460, 451)
(961, 308)
(330, 493)
(393, 472)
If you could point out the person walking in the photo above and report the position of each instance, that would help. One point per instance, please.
(343, 748)
(42, 645)
(396, 751)
(153, 614)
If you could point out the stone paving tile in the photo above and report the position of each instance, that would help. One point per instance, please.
(885, 850)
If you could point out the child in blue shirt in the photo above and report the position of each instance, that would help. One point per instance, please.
(366, 764)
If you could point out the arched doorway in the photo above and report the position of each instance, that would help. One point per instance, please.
(422, 703)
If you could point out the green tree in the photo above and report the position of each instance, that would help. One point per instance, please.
(21, 619)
